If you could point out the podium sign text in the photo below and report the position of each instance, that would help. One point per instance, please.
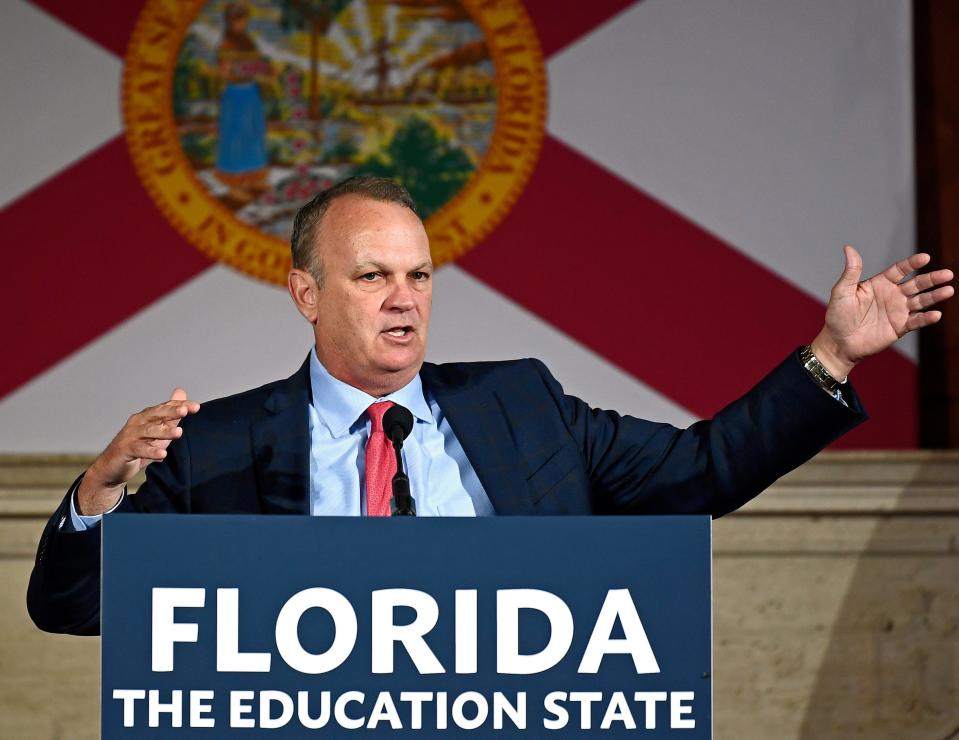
(514, 626)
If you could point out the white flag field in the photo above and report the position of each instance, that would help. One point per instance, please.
(700, 166)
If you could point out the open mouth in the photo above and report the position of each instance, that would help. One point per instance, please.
(399, 331)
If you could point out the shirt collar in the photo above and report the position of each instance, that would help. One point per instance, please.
(340, 405)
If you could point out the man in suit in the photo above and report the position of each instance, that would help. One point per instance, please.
(488, 438)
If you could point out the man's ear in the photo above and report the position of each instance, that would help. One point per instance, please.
(303, 291)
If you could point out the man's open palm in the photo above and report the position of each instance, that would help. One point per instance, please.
(865, 317)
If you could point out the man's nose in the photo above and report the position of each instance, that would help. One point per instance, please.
(400, 297)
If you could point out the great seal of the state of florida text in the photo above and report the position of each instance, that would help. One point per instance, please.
(237, 113)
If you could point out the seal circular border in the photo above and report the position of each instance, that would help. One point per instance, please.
(169, 179)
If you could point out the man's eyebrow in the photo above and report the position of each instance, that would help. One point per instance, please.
(373, 265)
(369, 264)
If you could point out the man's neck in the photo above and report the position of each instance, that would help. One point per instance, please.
(379, 386)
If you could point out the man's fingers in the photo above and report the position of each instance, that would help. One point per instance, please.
(146, 435)
(898, 271)
(144, 438)
(924, 318)
(853, 269)
(146, 451)
(932, 297)
(161, 431)
(171, 410)
(925, 281)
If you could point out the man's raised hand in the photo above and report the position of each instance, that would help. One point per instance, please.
(864, 317)
(143, 439)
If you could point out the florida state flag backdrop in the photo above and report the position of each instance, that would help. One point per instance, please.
(651, 196)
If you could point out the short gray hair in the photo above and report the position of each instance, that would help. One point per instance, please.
(307, 221)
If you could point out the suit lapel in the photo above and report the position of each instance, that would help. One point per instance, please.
(281, 447)
(479, 421)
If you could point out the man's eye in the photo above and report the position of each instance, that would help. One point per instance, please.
(370, 276)
(421, 276)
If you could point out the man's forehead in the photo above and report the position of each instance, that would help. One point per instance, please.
(384, 251)
(355, 212)
(353, 218)
(365, 229)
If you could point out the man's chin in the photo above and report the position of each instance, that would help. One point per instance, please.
(397, 369)
(396, 362)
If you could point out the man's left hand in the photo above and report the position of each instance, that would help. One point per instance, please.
(863, 318)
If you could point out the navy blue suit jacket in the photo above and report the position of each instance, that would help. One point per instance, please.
(536, 450)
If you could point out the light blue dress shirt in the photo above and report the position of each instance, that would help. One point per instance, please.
(442, 481)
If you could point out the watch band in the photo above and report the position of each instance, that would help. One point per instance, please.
(819, 373)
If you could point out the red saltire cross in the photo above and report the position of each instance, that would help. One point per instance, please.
(605, 257)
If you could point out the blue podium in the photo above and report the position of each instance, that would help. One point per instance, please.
(414, 627)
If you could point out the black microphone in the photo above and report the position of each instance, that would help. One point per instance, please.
(397, 424)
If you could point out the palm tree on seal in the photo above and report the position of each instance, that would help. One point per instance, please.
(315, 17)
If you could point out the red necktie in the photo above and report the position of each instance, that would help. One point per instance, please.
(380, 463)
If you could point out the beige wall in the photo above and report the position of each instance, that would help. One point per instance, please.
(836, 606)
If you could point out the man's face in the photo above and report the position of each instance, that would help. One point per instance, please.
(373, 306)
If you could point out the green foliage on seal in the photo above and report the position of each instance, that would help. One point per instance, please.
(423, 162)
